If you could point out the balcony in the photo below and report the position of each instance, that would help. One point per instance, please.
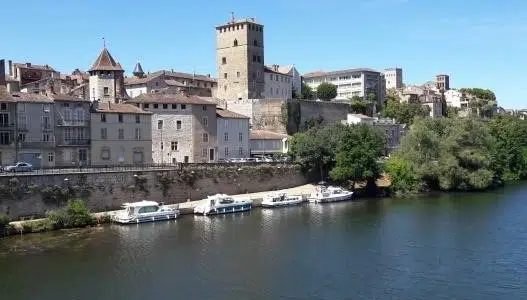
(71, 123)
(37, 145)
(7, 126)
(46, 127)
(77, 142)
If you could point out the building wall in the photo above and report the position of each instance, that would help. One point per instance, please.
(393, 78)
(259, 146)
(136, 90)
(121, 150)
(203, 148)
(455, 99)
(72, 133)
(7, 132)
(278, 86)
(264, 114)
(228, 137)
(245, 77)
(97, 85)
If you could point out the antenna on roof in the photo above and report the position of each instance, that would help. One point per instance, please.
(104, 42)
(232, 17)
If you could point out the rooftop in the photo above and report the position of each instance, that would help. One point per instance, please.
(361, 116)
(105, 62)
(339, 72)
(69, 98)
(270, 70)
(30, 97)
(185, 75)
(266, 135)
(5, 96)
(227, 114)
(121, 108)
(239, 21)
(169, 99)
(34, 67)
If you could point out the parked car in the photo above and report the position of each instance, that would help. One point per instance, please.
(19, 167)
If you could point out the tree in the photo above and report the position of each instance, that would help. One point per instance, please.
(306, 92)
(357, 155)
(326, 91)
(403, 112)
(479, 93)
(358, 105)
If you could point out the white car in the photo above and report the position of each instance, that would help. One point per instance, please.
(19, 167)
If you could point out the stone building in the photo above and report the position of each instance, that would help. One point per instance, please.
(296, 78)
(24, 73)
(278, 85)
(120, 134)
(442, 82)
(233, 134)
(183, 128)
(107, 79)
(263, 142)
(240, 60)
(393, 78)
(7, 125)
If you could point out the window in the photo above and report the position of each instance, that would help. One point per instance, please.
(235, 43)
(3, 106)
(204, 152)
(46, 107)
(238, 74)
(105, 153)
(254, 58)
(205, 137)
(173, 146)
(21, 137)
(224, 60)
(165, 106)
(162, 146)
(51, 157)
(138, 134)
(104, 134)
(106, 91)
(103, 118)
(146, 105)
(21, 107)
(178, 125)
(120, 118)
(45, 137)
(226, 151)
(83, 155)
(225, 75)
(183, 106)
(138, 157)
(121, 133)
(225, 87)
(174, 106)
(137, 118)
(4, 138)
(255, 42)
(226, 136)
(259, 58)
(157, 83)
(156, 105)
(160, 124)
(4, 120)
(240, 136)
(205, 121)
(240, 151)
(46, 124)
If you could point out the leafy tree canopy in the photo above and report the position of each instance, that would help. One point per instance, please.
(403, 112)
(307, 92)
(326, 91)
(484, 94)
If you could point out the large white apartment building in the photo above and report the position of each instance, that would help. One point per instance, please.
(350, 82)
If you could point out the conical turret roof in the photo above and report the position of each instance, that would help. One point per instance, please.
(138, 70)
(105, 62)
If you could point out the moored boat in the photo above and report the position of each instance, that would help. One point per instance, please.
(281, 199)
(330, 194)
(144, 211)
(222, 204)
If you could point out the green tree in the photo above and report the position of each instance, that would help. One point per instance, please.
(307, 92)
(479, 93)
(357, 155)
(402, 175)
(403, 112)
(358, 105)
(326, 91)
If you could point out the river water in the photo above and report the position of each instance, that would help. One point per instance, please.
(460, 246)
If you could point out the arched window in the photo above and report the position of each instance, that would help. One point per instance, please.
(235, 43)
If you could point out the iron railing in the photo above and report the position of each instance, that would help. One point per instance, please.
(75, 142)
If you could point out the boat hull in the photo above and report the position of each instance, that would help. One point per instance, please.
(330, 199)
(224, 210)
(282, 203)
(145, 219)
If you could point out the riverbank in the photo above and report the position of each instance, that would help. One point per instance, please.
(21, 227)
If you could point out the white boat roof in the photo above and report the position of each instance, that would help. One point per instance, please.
(219, 196)
(140, 203)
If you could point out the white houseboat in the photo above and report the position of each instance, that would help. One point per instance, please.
(222, 204)
(281, 199)
(330, 194)
(144, 211)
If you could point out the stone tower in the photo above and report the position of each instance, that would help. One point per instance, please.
(240, 60)
(107, 79)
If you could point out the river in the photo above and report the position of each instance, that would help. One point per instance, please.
(457, 246)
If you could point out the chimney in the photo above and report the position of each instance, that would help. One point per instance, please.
(208, 75)
(2, 72)
(172, 70)
(28, 64)
(10, 66)
(275, 68)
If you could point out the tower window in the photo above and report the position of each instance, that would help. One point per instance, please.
(255, 42)
(235, 43)
(258, 58)
(254, 58)
(237, 27)
(225, 75)
(242, 26)
(224, 60)
(106, 91)
(225, 87)
(238, 74)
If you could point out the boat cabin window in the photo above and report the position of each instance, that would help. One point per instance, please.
(129, 210)
(148, 209)
(226, 200)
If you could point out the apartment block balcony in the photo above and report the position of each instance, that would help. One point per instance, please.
(73, 123)
(7, 126)
(74, 142)
(37, 145)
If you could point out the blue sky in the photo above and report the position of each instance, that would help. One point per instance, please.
(479, 43)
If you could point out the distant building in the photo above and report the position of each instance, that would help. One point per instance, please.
(278, 85)
(393, 78)
(183, 127)
(350, 82)
(240, 60)
(442, 82)
(107, 79)
(233, 134)
(456, 98)
(262, 142)
(24, 73)
(120, 134)
(7, 126)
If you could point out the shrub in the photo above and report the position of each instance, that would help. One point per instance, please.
(74, 215)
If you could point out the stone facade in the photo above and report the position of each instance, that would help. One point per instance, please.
(393, 78)
(240, 60)
(35, 194)
(233, 134)
(170, 82)
(264, 114)
(277, 85)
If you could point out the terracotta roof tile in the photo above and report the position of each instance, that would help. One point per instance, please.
(266, 135)
(185, 75)
(120, 108)
(105, 62)
(340, 72)
(140, 80)
(29, 97)
(69, 98)
(170, 98)
(227, 114)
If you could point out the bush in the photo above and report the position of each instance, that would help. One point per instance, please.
(38, 226)
(74, 215)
